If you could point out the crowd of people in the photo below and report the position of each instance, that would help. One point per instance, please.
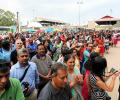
(56, 66)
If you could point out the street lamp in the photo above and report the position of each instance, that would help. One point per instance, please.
(79, 3)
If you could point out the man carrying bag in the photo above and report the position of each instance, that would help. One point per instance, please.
(27, 73)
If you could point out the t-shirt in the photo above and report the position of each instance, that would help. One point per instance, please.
(13, 57)
(50, 93)
(14, 92)
(43, 65)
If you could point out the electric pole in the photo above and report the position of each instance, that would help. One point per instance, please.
(17, 22)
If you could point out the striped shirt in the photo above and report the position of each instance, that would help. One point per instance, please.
(96, 92)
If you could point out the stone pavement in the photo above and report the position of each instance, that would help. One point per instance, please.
(113, 60)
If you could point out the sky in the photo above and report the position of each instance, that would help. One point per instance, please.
(74, 12)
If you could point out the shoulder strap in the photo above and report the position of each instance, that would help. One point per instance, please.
(24, 73)
(1, 50)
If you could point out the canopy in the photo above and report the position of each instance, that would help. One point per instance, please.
(50, 30)
(107, 20)
(34, 24)
(58, 30)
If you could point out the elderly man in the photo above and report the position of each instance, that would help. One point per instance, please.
(10, 88)
(27, 73)
(57, 88)
(13, 56)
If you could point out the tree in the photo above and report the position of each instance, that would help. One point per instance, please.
(7, 18)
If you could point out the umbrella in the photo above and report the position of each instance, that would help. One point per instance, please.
(49, 30)
(30, 30)
(39, 31)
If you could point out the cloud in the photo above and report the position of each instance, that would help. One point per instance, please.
(65, 10)
(12, 5)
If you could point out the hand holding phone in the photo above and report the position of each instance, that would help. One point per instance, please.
(116, 74)
(113, 70)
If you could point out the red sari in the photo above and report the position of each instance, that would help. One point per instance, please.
(101, 46)
(85, 87)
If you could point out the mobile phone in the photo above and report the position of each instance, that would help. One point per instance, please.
(112, 70)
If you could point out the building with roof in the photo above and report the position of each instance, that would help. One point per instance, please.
(106, 22)
(4, 29)
(48, 22)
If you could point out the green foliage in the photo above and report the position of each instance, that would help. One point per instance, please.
(7, 18)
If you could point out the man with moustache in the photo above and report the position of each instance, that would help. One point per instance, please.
(57, 88)
(27, 69)
(10, 88)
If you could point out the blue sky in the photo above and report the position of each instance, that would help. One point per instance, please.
(64, 10)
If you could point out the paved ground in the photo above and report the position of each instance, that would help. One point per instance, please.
(113, 60)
